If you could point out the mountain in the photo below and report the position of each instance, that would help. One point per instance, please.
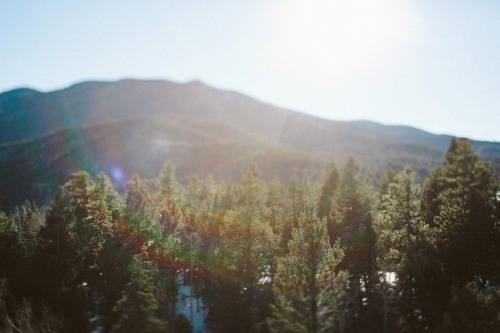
(135, 126)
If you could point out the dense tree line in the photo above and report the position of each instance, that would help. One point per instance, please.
(332, 256)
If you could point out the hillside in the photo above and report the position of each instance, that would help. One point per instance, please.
(134, 126)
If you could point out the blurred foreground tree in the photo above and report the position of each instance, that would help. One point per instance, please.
(459, 205)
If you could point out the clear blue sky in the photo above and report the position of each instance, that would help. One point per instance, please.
(431, 64)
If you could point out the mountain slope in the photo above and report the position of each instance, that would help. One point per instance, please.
(30, 115)
(26, 113)
(134, 126)
(33, 169)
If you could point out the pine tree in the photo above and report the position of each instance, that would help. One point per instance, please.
(276, 195)
(456, 204)
(252, 190)
(330, 186)
(329, 190)
(301, 288)
(57, 252)
(352, 222)
(138, 308)
(91, 219)
(60, 272)
(137, 197)
(396, 222)
(28, 221)
(167, 181)
(401, 236)
(11, 255)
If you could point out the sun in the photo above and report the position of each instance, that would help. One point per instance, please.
(331, 37)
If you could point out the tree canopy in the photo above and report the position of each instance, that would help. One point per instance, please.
(257, 256)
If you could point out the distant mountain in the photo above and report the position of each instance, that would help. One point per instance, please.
(134, 126)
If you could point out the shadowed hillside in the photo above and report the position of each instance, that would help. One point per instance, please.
(133, 126)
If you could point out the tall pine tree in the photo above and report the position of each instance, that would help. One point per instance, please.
(457, 204)
(302, 285)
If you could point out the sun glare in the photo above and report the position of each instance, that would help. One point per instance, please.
(331, 37)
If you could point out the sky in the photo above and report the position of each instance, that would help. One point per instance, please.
(430, 64)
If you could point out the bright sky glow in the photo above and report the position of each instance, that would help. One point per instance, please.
(337, 37)
(424, 63)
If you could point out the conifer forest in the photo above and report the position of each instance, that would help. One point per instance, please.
(335, 255)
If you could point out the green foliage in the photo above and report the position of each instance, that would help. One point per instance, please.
(329, 189)
(167, 181)
(138, 307)
(473, 309)
(351, 215)
(260, 256)
(351, 226)
(402, 245)
(139, 199)
(398, 224)
(457, 205)
(90, 217)
(300, 292)
(74, 246)
(27, 220)
(252, 190)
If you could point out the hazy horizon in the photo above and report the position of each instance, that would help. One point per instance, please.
(423, 64)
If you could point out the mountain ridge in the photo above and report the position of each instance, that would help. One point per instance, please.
(100, 125)
(89, 89)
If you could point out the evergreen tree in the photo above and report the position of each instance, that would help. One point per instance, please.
(139, 199)
(167, 181)
(208, 189)
(276, 195)
(396, 222)
(401, 236)
(330, 186)
(11, 257)
(295, 200)
(224, 198)
(299, 286)
(60, 267)
(91, 220)
(81, 221)
(457, 205)
(138, 309)
(28, 220)
(252, 190)
(351, 215)
(21, 250)
(57, 253)
(329, 189)
(473, 308)
(8, 243)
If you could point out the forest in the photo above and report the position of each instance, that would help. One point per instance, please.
(335, 255)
